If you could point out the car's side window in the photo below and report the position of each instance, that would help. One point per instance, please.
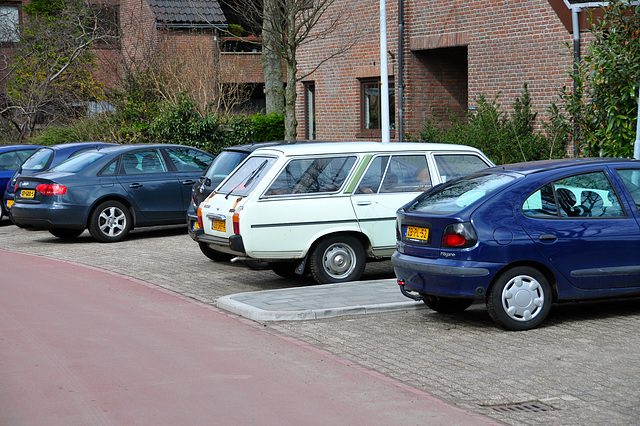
(143, 161)
(188, 160)
(312, 175)
(451, 166)
(402, 173)
(110, 169)
(583, 195)
(631, 179)
(9, 161)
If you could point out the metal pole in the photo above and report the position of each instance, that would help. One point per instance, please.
(636, 144)
(384, 75)
(400, 85)
(575, 14)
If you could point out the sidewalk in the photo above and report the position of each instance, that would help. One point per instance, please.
(320, 301)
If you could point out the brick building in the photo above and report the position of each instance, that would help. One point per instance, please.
(454, 52)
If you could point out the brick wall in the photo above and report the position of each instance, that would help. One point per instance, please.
(455, 51)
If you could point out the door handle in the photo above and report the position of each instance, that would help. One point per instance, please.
(548, 238)
(135, 185)
(188, 182)
(363, 203)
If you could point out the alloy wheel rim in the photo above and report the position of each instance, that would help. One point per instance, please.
(112, 221)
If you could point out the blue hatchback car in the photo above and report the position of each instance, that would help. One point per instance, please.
(111, 190)
(41, 159)
(522, 236)
(11, 157)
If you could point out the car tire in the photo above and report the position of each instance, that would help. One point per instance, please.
(446, 305)
(285, 269)
(2, 209)
(214, 254)
(337, 259)
(110, 222)
(520, 299)
(65, 233)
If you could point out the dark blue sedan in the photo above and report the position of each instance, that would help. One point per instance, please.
(522, 236)
(111, 190)
(41, 159)
(11, 157)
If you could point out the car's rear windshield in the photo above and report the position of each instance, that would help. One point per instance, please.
(77, 163)
(459, 194)
(39, 160)
(246, 176)
(224, 164)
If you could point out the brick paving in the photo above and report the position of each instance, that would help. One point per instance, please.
(581, 367)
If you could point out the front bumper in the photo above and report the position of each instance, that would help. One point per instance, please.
(446, 278)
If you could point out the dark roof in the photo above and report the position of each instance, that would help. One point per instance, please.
(188, 13)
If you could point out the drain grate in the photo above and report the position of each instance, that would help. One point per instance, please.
(525, 407)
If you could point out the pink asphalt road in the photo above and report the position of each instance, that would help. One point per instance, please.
(81, 346)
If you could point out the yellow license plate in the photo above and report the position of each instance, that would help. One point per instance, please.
(9, 203)
(27, 193)
(219, 225)
(417, 233)
(195, 225)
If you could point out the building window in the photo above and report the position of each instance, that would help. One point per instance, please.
(310, 110)
(370, 111)
(9, 24)
(108, 17)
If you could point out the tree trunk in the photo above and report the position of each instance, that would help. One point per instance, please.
(290, 123)
(271, 59)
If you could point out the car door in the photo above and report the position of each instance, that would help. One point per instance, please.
(389, 182)
(153, 189)
(189, 165)
(580, 223)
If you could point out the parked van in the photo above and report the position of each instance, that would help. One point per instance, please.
(324, 208)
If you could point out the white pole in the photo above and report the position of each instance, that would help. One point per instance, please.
(636, 145)
(384, 75)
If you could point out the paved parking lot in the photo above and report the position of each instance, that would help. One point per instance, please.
(581, 367)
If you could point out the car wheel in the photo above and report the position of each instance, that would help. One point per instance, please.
(446, 305)
(110, 222)
(2, 210)
(520, 299)
(337, 259)
(213, 254)
(285, 269)
(66, 234)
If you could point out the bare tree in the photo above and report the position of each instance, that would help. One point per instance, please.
(50, 71)
(288, 25)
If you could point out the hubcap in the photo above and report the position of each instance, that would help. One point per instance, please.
(522, 298)
(339, 260)
(112, 221)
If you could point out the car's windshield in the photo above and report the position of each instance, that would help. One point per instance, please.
(77, 163)
(247, 176)
(224, 164)
(457, 195)
(39, 160)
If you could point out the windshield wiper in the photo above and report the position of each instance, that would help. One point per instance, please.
(249, 178)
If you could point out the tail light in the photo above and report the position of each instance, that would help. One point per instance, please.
(200, 222)
(51, 189)
(236, 223)
(459, 235)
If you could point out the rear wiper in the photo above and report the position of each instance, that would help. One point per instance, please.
(249, 178)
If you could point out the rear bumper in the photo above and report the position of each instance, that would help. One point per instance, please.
(447, 278)
(50, 216)
(232, 245)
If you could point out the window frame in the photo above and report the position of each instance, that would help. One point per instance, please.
(377, 132)
(18, 7)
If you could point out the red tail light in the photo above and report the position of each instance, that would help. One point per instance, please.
(459, 235)
(236, 223)
(200, 222)
(51, 189)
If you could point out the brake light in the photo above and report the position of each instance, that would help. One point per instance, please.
(51, 189)
(459, 235)
(200, 222)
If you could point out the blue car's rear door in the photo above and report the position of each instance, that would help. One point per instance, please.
(154, 190)
(585, 229)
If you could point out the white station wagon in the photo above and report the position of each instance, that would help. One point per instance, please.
(323, 208)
